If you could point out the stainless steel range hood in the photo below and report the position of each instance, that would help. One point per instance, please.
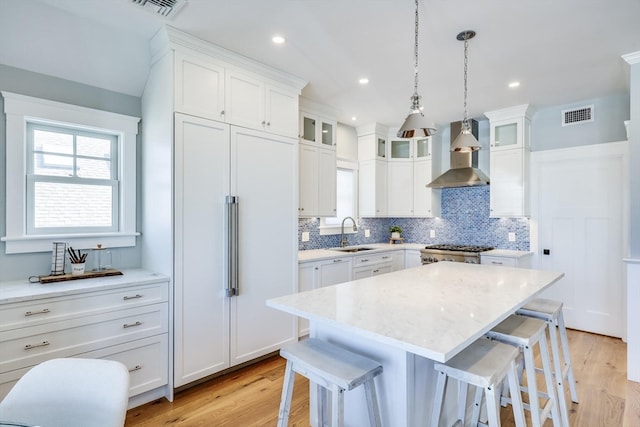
(464, 170)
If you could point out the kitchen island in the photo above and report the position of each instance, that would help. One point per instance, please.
(407, 320)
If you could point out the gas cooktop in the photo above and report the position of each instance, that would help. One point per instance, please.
(459, 248)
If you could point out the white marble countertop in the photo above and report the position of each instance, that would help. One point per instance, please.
(320, 254)
(506, 253)
(434, 311)
(22, 290)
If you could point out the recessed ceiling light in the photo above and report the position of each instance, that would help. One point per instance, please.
(363, 81)
(278, 39)
(354, 118)
(514, 84)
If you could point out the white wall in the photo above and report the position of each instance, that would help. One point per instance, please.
(347, 142)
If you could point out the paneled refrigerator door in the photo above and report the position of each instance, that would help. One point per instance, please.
(201, 308)
(263, 177)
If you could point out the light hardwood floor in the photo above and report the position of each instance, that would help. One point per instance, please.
(251, 396)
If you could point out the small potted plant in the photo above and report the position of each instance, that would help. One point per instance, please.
(395, 231)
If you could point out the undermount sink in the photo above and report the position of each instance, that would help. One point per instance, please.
(352, 249)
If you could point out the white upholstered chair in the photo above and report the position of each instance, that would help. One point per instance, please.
(69, 392)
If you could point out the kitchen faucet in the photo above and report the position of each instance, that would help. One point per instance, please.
(343, 240)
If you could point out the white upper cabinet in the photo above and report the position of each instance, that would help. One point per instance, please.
(510, 140)
(319, 130)
(207, 88)
(318, 166)
(199, 87)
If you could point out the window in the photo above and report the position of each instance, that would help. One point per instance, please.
(70, 175)
(346, 198)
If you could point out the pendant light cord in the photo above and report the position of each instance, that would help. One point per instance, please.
(466, 48)
(415, 52)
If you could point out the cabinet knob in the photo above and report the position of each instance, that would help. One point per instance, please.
(268, 123)
(263, 123)
(222, 113)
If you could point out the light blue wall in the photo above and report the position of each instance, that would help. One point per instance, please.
(21, 266)
(547, 132)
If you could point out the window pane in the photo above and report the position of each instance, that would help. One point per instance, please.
(72, 205)
(94, 147)
(52, 165)
(52, 142)
(98, 169)
(345, 196)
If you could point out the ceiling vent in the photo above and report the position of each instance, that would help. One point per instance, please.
(163, 8)
(577, 115)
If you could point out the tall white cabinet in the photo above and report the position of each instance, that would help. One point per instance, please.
(204, 140)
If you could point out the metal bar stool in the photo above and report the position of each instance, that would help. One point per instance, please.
(525, 332)
(551, 312)
(484, 364)
(333, 369)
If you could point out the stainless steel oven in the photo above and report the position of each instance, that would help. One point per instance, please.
(456, 253)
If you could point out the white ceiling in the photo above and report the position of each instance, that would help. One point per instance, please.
(562, 51)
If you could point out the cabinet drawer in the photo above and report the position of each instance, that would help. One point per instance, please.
(373, 270)
(146, 359)
(47, 310)
(29, 346)
(370, 259)
(496, 260)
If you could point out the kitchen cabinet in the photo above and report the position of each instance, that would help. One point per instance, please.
(317, 181)
(507, 258)
(125, 318)
(210, 88)
(372, 185)
(509, 154)
(372, 264)
(316, 129)
(410, 169)
(317, 274)
(412, 258)
(190, 165)
(252, 102)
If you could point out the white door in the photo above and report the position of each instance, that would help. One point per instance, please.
(201, 308)
(264, 180)
(580, 199)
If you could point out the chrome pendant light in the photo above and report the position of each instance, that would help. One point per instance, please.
(465, 142)
(416, 124)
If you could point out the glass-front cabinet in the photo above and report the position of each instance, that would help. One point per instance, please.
(423, 148)
(400, 149)
(507, 134)
(316, 129)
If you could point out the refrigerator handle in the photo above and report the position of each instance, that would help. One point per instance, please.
(232, 245)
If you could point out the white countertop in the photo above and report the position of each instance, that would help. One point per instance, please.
(320, 254)
(435, 310)
(22, 290)
(506, 253)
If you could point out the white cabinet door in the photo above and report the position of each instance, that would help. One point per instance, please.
(400, 188)
(426, 201)
(281, 111)
(372, 185)
(199, 87)
(412, 259)
(263, 178)
(201, 309)
(335, 271)
(326, 191)
(308, 177)
(244, 100)
(507, 191)
(307, 274)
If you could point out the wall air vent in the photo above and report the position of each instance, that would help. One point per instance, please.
(164, 8)
(577, 115)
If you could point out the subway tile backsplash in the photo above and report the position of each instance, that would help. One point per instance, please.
(465, 220)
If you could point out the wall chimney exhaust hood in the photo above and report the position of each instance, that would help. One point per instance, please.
(464, 170)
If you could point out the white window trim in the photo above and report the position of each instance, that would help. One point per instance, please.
(327, 230)
(20, 108)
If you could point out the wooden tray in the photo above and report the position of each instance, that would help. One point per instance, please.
(85, 275)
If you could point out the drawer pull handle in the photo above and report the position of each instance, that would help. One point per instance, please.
(42, 344)
(364, 260)
(337, 260)
(376, 271)
(385, 257)
(135, 368)
(496, 262)
(133, 297)
(33, 313)
(131, 325)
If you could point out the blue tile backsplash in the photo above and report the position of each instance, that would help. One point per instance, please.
(465, 220)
